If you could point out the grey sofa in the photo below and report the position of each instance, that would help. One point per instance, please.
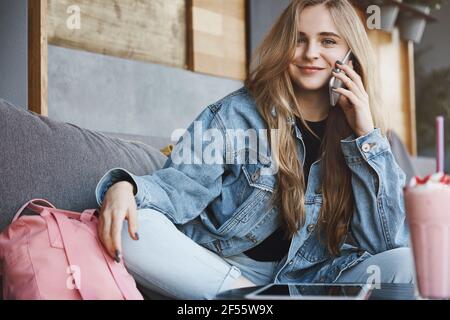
(42, 158)
(60, 162)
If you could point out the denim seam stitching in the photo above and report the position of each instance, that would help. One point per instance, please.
(234, 221)
(229, 274)
(353, 263)
(361, 159)
(217, 119)
(260, 185)
(385, 224)
(380, 208)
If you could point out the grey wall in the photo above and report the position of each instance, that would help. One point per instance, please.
(436, 40)
(436, 37)
(14, 51)
(117, 95)
(263, 14)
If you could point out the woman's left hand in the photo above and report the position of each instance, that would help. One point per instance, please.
(354, 100)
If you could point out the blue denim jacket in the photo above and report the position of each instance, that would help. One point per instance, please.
(226, 207)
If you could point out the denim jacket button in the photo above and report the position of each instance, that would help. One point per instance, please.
(366, 147)
(360, 253)
(252, 238)
(310, 228)
(256, 175)
(291, 262)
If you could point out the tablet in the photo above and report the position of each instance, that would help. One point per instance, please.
(310, 291)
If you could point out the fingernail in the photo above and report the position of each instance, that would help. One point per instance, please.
(136, 235)
(117, 258)
(339, 63)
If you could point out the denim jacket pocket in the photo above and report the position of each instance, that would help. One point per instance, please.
(313, 249)
(259, 176)
(255, 204)
(256, 192)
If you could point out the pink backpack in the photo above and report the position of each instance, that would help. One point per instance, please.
(57, 255)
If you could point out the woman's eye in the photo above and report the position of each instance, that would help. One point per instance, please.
(328, 42)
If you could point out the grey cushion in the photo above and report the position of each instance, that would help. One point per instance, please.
(401, 155)
(155, 142)
(60, 162)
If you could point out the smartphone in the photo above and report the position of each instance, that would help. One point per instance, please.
(336, 83)
(312, 292)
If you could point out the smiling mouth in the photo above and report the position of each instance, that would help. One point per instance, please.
(310, 68)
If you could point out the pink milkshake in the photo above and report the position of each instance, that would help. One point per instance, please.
(427, 203)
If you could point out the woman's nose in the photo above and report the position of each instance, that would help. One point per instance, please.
(312, 52)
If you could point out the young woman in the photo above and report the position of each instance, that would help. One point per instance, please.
(332, 211)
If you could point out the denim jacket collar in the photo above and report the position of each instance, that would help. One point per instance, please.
(292, 122)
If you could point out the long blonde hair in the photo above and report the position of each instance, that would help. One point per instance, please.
(270, 85)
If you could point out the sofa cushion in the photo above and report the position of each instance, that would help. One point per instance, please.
(156, 142)
(401, 155)
(60, 162)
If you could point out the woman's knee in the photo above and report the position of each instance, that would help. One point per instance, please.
(167, 261)
(155, 231)
(395, 266)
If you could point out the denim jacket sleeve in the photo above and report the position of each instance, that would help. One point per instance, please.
(180, 190)
(378, 223)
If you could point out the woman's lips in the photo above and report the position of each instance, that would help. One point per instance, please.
(307, 70)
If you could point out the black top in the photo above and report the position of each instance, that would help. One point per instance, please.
(275, 247)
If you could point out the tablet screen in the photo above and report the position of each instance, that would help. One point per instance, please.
(322, 290)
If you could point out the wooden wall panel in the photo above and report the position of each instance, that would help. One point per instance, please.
(147, 30)
(395, 59)
(218, 40)
(396, 70)
(410, 86)
(37, 57)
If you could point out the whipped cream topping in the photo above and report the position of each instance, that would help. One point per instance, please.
(434, 181)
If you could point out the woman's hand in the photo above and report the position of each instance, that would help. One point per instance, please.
(354, 100)
(118, 204)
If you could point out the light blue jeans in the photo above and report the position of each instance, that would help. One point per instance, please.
(167, 262)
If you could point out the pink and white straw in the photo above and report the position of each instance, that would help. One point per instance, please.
(440, 159)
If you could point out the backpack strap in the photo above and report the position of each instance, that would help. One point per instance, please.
(33, 206)
(73, 255)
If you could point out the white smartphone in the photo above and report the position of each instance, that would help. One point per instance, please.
(336, 83)
(310, 291)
